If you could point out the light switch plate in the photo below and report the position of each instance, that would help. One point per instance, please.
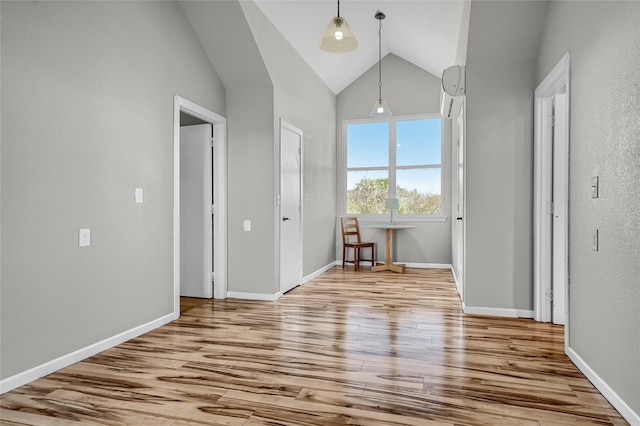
(594, 240)
(139, 196)
(594, 187)
(247, 225)
(84, 237)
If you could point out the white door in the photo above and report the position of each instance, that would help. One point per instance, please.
(546, 207)
(559, 221)
(554, 224)
(196, 194)
(290, 206)
(460, 205)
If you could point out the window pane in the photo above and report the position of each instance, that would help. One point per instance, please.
(366, 191)
(418, 142)
(419, 191)
(368, 145)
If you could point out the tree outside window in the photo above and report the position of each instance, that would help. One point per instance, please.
(396, 158)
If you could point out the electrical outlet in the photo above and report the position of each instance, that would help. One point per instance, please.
(138, 195)
(84, 237)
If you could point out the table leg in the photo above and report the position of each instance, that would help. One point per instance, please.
(389, 265)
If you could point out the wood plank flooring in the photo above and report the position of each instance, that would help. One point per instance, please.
(356, 348)
(187, 303)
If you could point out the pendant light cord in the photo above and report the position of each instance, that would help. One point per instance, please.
(380, 60)
(338, 8)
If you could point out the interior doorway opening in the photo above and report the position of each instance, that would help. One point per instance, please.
(196, 210)
(189, 113)
(551, 201)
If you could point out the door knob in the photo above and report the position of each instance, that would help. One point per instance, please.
(284, 219)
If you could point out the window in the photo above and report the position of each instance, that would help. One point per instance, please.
(396, 158)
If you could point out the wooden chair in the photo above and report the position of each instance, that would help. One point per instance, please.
(351, 239)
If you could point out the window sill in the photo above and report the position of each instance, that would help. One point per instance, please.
(400, 219)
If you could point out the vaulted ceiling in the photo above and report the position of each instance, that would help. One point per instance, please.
(430, 34)
(425, 33)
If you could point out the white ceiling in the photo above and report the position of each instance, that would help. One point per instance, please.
(423, 32)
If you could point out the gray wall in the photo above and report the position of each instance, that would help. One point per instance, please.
(250, 142)
(251, 255)
(266, 80)
(499, 153)
(301, 98)
(604, 311)
(87, 116)
(499, 186)
(408, 90)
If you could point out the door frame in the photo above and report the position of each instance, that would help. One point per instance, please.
(219, 195)
(460, 124)
(556, 82)
(294, 129)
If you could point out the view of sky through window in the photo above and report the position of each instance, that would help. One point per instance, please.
(418, 142)
(371, 148)
(368, 145)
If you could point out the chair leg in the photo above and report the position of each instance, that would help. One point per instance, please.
(344, 252)
(356, 258)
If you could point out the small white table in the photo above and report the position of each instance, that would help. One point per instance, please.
(388, 264)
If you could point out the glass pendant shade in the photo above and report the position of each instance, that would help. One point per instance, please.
(380, 109)
(338, 38)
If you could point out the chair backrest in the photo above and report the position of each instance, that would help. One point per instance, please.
(350, 230)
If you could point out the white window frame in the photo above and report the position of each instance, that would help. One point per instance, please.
(392, 168)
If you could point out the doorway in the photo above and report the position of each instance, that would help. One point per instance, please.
(215, 213)
(290, 206)
(196, 215)
(551, 175)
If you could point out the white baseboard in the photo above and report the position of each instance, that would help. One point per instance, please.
(254, 296)
(497, 312)
(457, 283)
(320, 271)
(52, 366)
(427, 265)
(278, 295)
(625, 411)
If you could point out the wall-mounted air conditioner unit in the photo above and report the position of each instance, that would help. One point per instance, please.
(452, 92)
(449, 105)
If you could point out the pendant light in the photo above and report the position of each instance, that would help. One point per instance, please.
(338, 38)
(380, 108)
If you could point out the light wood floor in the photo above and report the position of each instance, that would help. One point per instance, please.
(346, 348)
